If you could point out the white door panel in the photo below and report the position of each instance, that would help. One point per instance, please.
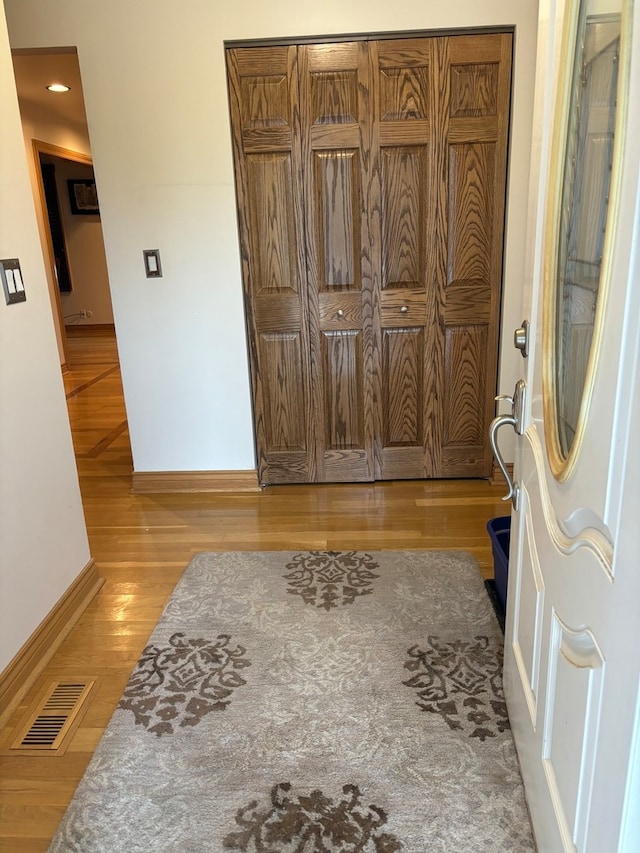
(528, 608)
(574, 691)
(572, 655)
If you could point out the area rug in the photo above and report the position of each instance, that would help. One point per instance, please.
(311, 702)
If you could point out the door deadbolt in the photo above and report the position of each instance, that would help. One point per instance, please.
(521, 339)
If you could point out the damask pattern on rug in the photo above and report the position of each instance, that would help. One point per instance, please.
(293, 823)
(462, 682)
(329, 579)
(313, 699)
(180, 683)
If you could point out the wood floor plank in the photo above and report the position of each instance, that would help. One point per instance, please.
(142, 544)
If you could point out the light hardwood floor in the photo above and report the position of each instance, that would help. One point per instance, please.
(142, 544)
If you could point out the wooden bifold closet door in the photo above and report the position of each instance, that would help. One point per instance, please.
(370, 179)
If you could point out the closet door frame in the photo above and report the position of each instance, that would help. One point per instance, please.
(357, 354)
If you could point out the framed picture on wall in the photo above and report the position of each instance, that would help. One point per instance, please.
(83, 197)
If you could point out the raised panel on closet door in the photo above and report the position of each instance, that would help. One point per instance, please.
(334, 107)
(402, 131)
(263, 87)
(473, 111)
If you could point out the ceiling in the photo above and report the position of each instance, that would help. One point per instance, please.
(35, 70)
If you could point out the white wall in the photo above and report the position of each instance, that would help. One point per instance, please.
(155, 94)
(43, 542)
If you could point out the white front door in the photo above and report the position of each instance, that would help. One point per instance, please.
(572, 643)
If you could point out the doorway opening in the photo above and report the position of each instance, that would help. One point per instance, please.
(59, 155)
(69, 219)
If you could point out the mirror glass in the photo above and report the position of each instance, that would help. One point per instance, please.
(584, 204)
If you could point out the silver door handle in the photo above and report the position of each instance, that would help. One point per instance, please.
(516, 420)
(496, 423)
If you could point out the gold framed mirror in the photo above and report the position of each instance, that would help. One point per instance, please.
(581, 218)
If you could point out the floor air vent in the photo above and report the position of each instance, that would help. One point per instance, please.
(55, 717)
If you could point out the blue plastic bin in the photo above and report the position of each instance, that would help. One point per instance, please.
(500, 533)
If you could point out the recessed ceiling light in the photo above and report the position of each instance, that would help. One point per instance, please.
(58, 87)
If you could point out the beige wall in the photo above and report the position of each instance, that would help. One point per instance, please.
(43, 542)
(155, 93)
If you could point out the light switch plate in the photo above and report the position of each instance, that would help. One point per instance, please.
(12, 283)
(152, 266)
